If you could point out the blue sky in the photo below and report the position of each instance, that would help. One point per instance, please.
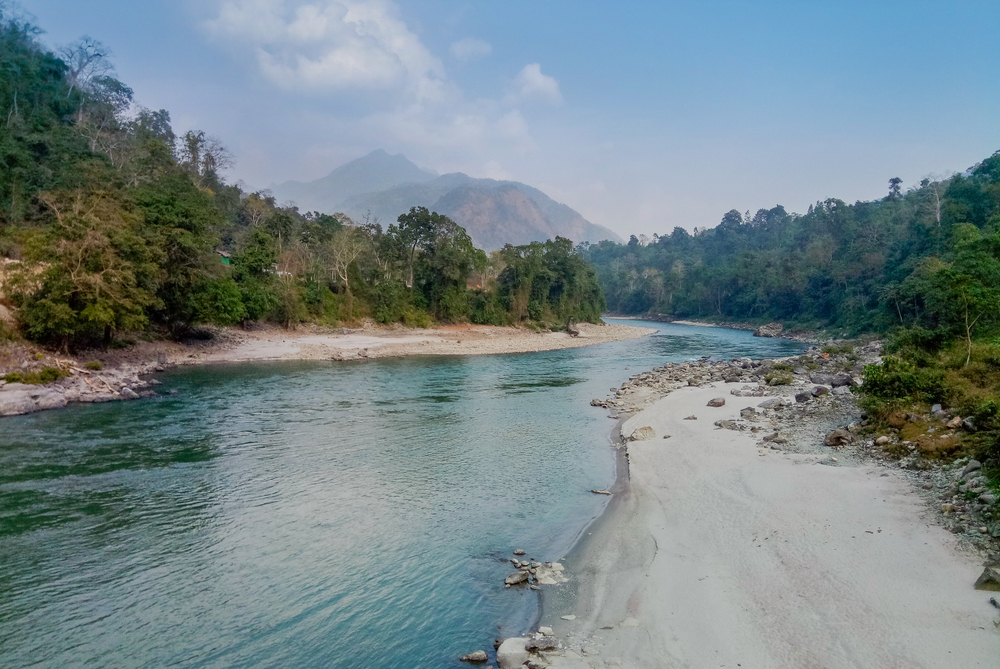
(642, 116)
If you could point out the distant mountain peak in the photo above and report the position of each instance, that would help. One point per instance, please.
(493, 212)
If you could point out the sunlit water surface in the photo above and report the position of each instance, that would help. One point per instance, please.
(309, 514)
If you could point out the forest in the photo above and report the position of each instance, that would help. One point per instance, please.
(111, 223)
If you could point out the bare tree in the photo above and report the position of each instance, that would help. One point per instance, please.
(345, 247)
(86, 60)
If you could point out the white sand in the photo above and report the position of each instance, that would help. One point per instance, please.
(303, 344)
(719, 556)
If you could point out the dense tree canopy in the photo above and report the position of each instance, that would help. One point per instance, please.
(111, 222)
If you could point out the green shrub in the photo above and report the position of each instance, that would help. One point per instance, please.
(779, 379)
(782, 367)
(389, 302)
(94, 365)
(46, 375)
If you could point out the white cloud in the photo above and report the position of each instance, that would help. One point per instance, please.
(470, 49)
(531, 84)
(324, 45)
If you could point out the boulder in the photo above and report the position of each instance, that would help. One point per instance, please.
(803, 397)
(512, 653)
(820, 390)
(476, 657)
(517, 578)
(518, 551)
(973, 466)
(717, 402)
(838, 438)
(822, 378)
(882, 441)
(749, 412)
(641, 434)
(841, 390)
(597, 403)
(989, 579)
(988, 498)
(547, 631)
(935, 408)
(955, 423)
(769, 330)
(772, 403)
(129, 394)
(15, 402)
(690, 418)
(841, 380)
(968, 425)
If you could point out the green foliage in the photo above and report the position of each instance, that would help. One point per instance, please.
(44, 375)
(94, 365)
(899, 380)
(389, 302)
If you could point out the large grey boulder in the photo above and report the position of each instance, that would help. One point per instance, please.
(989, 579)
(838, 438)
(769, 330)
(24, 399)
(515, 579)
(772, 403)
(717, 402)
(512, 653)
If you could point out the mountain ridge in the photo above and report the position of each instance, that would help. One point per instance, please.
(488, 209)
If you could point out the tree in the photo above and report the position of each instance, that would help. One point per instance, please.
(342, 250)
(894, 188)
(89, 273)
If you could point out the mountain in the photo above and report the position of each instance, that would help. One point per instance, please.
(493, 212)
(375, 172)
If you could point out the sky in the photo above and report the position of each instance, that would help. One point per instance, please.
(642, 116)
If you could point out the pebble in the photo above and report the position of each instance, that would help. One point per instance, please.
(569, 617)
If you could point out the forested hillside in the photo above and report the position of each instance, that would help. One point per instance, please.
(109, 223)
(913, 258)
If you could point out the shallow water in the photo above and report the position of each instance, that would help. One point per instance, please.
(310, 514)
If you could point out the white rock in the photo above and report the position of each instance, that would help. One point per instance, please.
(569, 617)
(547, 631)
(512, 653)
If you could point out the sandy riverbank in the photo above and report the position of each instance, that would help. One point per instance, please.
(720, 553)
(383, 343)
(120, 377)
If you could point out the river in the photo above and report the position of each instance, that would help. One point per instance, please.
(310, 514)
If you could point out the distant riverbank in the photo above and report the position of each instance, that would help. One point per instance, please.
(120, 374)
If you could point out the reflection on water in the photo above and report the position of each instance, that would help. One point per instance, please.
(308, 514)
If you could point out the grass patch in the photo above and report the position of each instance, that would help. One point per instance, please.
(45, 375)
(94, 365)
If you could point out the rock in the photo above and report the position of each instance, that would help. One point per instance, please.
(990, 579)
(841, 390)
(935, 408)
(822, 378)
(749, 412)
(518, 551)
(769, 330)
(968, 425)
(772, 403)
(597, 403)
(820, 390)
(641, 434)
(803, 397)
(731, 378)
(717, 402)
(882, 441)
(947, 508)
(512, 653)
(568, 617)
(691, 418)
(517, 578)
(838, 438)
(129, 394)
(546, 631)
(973, 466)
(16, 402)
(988, 498)
(476, 657)
(601, 492)
(954, 423)
(541, 643)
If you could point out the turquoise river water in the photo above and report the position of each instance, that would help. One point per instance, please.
(310, 514)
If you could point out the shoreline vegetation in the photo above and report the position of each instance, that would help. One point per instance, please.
(771, 525)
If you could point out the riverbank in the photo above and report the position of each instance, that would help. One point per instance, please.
(742, 539)
(120, 373)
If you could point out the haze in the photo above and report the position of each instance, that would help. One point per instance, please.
(642, 116)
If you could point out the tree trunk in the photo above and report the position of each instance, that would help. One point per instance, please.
(107, 337)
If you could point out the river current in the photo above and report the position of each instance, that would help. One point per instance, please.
(310, 514)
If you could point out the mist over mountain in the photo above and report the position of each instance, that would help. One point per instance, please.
(375, 172)
(493, 212)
